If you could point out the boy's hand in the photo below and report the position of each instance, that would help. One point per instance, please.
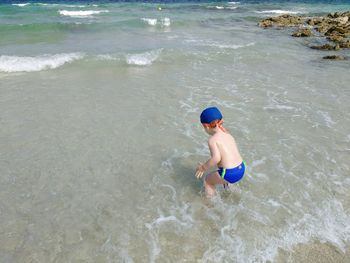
(200, 170)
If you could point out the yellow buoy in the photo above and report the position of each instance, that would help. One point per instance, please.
(159, 8)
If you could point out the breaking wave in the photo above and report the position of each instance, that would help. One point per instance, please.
(154, 21)
(218, 7)
(150, 21)
(30, 64)
(21, 5)
(143, 59)
(279, 12)
(81, 13)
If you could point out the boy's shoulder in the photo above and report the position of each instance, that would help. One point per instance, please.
(214, 138)
(220, 137)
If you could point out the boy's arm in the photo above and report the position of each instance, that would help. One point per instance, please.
(214, 159)
(215, 155)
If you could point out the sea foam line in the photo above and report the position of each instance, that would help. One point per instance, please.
(281, 12)
(219, 7)
(217, 44)
(63, 5)
(81, 13)
(21, 5)
(30, 64)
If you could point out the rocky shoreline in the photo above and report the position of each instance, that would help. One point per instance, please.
(333, 28)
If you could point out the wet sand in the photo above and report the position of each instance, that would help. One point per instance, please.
(314, 252)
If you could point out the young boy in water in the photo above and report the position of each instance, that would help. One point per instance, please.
(224, 153)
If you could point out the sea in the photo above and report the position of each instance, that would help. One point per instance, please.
(100, 134)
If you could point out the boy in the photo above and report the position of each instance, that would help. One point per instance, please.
(224, 153)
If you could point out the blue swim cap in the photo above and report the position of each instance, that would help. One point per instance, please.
(210, 114)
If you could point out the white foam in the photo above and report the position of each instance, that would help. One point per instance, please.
(172, 190)
(219, 7)
(179, 220)
(165, 219)
(150, 21)
(166, 21)
(107, 57)
(81, 13)
(62, 5)
(233, 3)
(21, 5)
(279, 107)
(326, 223)
(82, 6)
(143, 59)
(216, 7)
(225, 46)
(29, 64)
(274, 203)
(281, 12)
(185, 221)
(258, 162)
(327, 118)
(218, 45)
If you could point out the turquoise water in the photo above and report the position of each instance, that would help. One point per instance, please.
(99, 137)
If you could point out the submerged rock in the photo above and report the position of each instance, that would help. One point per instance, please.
(334, 57)
(326, 47)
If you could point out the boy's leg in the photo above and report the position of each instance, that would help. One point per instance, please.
(210, 181)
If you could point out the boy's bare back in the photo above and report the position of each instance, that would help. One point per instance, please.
(224, 144)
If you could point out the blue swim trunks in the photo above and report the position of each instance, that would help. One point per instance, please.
(232, 175)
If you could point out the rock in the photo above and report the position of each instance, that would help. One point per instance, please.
(335, 27)
(335, 38)
(314, 21)
(334, 57)
(342, 19)
(302, 32)
(326, 47)
(333, 15)
(346, 14)
(336, 30)
(345, 44)
(322, 28)
(266, 23)
(282, 21)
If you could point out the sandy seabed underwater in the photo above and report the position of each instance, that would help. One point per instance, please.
(100, 135)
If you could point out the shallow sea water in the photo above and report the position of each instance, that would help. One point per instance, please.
(100, 135)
